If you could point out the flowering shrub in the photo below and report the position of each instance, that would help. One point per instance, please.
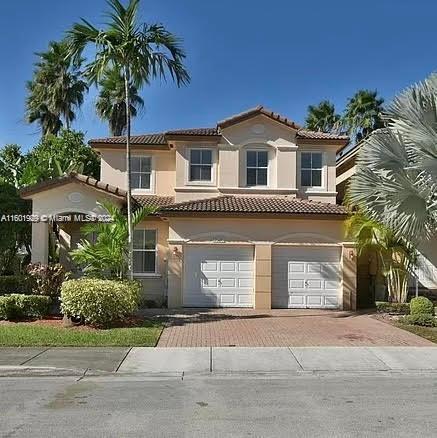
(47, 279)
(99, 302)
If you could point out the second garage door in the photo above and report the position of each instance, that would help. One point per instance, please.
(218, 276)
(304, 277)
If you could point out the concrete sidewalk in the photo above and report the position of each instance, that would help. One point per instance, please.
(205, 360)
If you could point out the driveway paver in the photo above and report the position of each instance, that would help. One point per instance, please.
(277, 328)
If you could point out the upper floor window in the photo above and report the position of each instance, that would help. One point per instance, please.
(144, 251)
(141, 171)
(311, 169)
(201, 165)
(256, 168)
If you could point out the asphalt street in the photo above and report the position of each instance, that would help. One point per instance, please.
(332, 405)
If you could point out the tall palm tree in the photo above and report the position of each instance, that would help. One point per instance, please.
(56, 89)
(322, 117)
(140, 51)
(363, 114)
(397, 256)
(37, 110)
(396, 178)
(111, 106)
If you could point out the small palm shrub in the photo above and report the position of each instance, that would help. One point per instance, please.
(17, 306)
(99, 302)
(421, 305)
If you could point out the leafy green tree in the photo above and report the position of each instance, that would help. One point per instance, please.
(111, 106)
(55, 156)
(56, 89)
(12, 163)
(363, 114)
(107, 253)
(397, 256)
(14, 235)
(322, 117)
(141, 52)
(396, 177)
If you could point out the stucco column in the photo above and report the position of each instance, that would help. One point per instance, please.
(349, 272)
(286, 167)
(175, 277)
(40, 242)
(263, 276)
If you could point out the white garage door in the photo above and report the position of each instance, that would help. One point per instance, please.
(304, 277)
(218, 276)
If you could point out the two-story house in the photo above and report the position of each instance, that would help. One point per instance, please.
(247, 214)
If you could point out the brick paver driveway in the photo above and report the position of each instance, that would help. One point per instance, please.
(254, 328)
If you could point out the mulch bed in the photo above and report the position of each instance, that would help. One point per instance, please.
(56, 321)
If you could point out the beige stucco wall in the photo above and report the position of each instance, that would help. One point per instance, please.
(229, 163)
(155, 286)
(69, 198)
(113, 169)
(328, 192)
(256, 230)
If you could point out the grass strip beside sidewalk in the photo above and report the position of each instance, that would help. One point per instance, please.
(33, 335)
(429, 333)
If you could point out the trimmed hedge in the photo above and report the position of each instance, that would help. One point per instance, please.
(15, 284)
(99, 302)
(17, 306)
(421, 305)
(423, 319)
(396, 308)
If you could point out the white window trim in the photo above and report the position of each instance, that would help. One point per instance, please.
(311, 189)
(212, 181)
(152, 176)
(148, 274)
(257, 149)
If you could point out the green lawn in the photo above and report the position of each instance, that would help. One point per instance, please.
(429, 333)
(27, 335)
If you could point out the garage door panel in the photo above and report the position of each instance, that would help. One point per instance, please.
(296, 284)
(296, 301)
(226, 272)
(228, 282)
(209, 266)
(314, 284)
(306, 277)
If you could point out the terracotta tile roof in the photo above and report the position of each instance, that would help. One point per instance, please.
(194, 131)
(319, 135)
(153, 200)
(146, 139)
(254, 112)
(65, 179)
(255, 204)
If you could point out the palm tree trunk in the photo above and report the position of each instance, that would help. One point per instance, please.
(128, 179)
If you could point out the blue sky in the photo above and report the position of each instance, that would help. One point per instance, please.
(283, 54)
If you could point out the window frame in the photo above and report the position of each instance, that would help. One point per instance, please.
(151, 189)
(188, 180)
(311, 169)
(155, 251)
(267, 167)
